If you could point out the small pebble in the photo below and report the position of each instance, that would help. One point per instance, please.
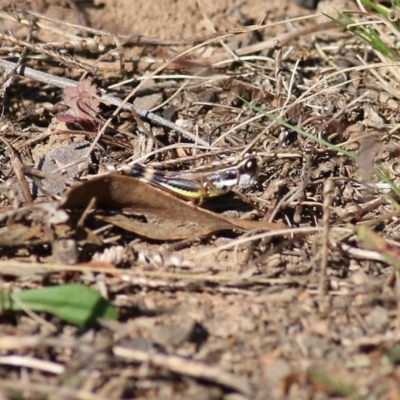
(378, 319)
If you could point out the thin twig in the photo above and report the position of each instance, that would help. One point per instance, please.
(329, 187)
(62, 83)
(19, 173)
(187, 367)
(45, 388)
(34, 363)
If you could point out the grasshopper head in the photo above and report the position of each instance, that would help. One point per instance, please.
(249, 169)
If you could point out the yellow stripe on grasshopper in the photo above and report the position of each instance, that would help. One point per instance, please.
(199, 185)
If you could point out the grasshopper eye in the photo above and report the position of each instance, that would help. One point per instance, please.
(249, 171)
(250, 167)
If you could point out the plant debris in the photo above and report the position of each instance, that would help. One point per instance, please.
(288, 288)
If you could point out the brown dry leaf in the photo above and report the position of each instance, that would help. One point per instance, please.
(248, 224)
(166, 217)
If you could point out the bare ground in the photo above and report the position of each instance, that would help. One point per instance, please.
(298, 299)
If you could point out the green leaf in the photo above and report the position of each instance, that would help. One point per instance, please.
(75, 303)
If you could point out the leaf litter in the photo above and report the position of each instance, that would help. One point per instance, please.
(292, 293)
(160, 216)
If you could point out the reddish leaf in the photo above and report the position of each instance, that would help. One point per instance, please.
(82, 99)
(83, 103)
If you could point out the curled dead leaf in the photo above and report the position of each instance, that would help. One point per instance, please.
(158, 215)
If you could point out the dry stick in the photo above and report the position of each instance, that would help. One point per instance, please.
(247, 239)
(177, 57)
(62, 83)
(33, 363)
(270, 43)
(80, 15)
(357, 101)
(329, 187)
(53, 390)
(397, 274)
(143, 127)
(287, 198)
(140, 40)
(52, 54)
(10, 76)
(278, 71)
(223, 44)
(135, 274)
(57, 27)
(187, 367)
(306, 173)
(221, 57)
(170, 147)
(19, 172)
(282, 109)
(155, 72)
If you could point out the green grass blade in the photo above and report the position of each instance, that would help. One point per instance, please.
(365, 33)
(381, 175)
(300, 131)
(380, 10)
(75, 303)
